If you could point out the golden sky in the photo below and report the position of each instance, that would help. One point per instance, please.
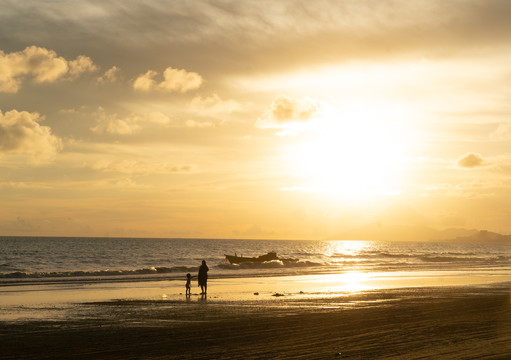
(253, 119)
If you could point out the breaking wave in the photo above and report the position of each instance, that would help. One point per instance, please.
(66, 274)
(460, 259)
(275, 264)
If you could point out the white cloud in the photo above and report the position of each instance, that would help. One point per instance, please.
(80, 65)
(146, 81)
(474, 189)
(157, 117)
(290, 115)
(111, 75)
(502, 133)
(140, 167)
(174, 80)
(127, 125)
(127, 183)
(180, 80)
(20, 133)
(113, 124)
(198, 124)
(41, 64)
(214, 104)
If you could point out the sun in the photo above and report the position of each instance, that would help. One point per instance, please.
(357, 154)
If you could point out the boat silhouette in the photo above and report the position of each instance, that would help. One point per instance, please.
(272, 255)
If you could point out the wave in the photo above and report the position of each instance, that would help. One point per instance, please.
(9, 267)
(453, 259)
(372, 255)
(80, 273)
(336, 262)
(275, 264)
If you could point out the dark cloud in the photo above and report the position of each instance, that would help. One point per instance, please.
(246, 36)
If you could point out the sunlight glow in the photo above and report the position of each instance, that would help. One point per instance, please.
(350, 248)
(356, 154)
(352, 281)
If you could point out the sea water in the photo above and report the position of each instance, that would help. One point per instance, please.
(40, 260)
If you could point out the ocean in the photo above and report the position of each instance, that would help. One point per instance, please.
(40, 260)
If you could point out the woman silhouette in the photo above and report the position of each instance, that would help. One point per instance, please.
(203, 277)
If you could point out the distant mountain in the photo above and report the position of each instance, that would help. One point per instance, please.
(388, 232)
(453, 233)
(484, 236)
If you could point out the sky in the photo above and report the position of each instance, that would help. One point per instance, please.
(253, 119)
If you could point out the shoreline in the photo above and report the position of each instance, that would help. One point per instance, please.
(62, 293)
(442, 322)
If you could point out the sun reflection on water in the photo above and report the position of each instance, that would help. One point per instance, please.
(351, 248)
(346, 282)
(352, 281)
(347, 251)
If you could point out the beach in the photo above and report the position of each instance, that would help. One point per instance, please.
(93, 299)
(429, 322)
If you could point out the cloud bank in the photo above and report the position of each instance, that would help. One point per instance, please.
(265, 32)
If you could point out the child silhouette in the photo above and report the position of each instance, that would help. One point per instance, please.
(188, 284)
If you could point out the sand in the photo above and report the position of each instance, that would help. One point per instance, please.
(445, 322)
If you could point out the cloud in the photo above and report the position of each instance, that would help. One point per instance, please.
(43, 65)
(127, 125)
(174, 80)
(471, 160)
(20, 133)
(146, 81)
(156, 117)
(214, 104)
(113, 124)
(180, 80)
(126, 183)
(190, 123)
(499, 164)
(80, 65)
(111, 75)
(231, 33)
(289, 114)
(141, 167)
(474, 189)
(501, 133)
(285, 109)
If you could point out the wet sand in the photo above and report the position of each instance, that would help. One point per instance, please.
(407, 323)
